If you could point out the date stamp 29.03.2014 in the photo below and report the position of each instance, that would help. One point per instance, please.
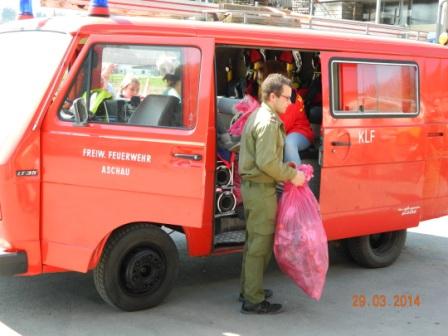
(378, 300)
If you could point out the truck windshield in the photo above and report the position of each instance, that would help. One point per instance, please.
(28, 61)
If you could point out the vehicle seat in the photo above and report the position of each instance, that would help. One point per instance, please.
(315, 118)
(315, 115)
(116, 110)
(226, 105)
(157, 110)
(224, 116)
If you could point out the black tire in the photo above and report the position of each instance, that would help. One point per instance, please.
(138, 267)
(377, 250)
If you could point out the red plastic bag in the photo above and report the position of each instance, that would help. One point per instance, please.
(300, 244)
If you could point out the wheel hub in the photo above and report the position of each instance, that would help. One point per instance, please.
(381, 242)
(144, 271)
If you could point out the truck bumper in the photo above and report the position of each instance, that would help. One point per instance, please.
(12, 263)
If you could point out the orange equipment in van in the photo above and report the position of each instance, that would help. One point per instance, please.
(93, 180)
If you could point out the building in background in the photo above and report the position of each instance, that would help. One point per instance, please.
(415, 14)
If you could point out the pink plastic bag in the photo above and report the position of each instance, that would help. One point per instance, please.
(300, 244)
(245, 107)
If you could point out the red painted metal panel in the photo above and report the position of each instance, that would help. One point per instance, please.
(365, 222)
(370, 186)
(373, 167)
(442, 100)
(162, 189)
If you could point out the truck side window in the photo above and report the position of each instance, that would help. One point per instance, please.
(361, 88)
(138, 85)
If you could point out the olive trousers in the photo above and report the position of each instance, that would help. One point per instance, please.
(260, 209)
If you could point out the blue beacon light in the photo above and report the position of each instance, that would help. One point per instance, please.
(99, 8)
(26, 10)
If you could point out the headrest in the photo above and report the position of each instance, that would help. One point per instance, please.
(156, 110)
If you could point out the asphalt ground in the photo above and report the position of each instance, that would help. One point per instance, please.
(408, 298)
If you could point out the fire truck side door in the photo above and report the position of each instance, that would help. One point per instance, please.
(139, 159)
(373, 144)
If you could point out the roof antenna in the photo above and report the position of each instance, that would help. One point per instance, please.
(26, 11)
(99, 8)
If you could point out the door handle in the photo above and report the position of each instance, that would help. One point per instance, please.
(340, 143)
(194, 157)
(435, 134)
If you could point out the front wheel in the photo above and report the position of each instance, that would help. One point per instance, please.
(377, 250)
(137, 268)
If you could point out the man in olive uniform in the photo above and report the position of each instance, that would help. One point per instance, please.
(261, 166)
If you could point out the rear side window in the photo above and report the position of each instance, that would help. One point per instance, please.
(378, 89)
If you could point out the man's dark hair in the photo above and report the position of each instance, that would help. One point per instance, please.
(172, 79)
(273, 84)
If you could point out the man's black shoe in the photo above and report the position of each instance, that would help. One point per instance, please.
(264, 307)
(268, 293)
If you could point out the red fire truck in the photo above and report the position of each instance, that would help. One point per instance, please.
(93, 180)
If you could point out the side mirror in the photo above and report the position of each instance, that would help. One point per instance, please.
(80, 112)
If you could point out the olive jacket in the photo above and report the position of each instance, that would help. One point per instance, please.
(261, 148)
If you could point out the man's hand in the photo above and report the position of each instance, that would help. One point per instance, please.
(299, 179)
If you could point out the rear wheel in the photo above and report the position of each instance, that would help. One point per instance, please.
(137, 268)
(377, 250)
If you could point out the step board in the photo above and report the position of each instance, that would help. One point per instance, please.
(231, 238)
